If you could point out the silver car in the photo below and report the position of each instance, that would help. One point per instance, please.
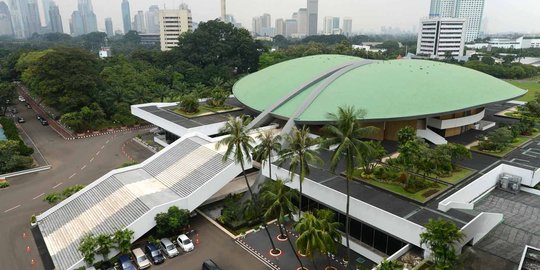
(168, 247)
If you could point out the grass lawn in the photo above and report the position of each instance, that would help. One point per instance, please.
(533, 86)
(457, 176)
(515, 144)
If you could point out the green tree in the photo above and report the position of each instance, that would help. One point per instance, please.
(7, 96)
(172, 222)
(488, 60)
(277, 199)
(311, 237)
(457, 152)
(104, 243)
(331, 235)
(189, 103)
(299, 153)
(122, 240)
(373, 157)
(11, 158)
(87, 247)
(347, 134)
(497, 140)
(387, 265)
(440, 237)
(269, 143)
(239, 144)
(406, 134)
(217, 98)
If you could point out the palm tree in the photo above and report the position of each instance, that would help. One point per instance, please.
(239, 144)
(331, 234)
(161, 91)
(87, 247)
(252, 210)
(122, 239)
(105, 243)
(347, 134)
(277, 201)
(311, 239)
(299, 154)
(269, 143)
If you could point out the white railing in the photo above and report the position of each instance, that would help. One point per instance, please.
(456, 122)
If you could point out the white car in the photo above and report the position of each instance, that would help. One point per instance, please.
(168, 248)
(140, 259)
(21, 99)
(185, 243)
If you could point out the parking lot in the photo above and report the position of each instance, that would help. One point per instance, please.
(213, 244)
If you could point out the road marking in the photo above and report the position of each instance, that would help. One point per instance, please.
(12, 208)
(73, 175)
(97, 154)
(92, 159)
(57, 185)
(38, 196)
(83, 167)
(107, 142)
(103, 146)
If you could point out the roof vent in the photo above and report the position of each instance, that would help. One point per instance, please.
(509, 183)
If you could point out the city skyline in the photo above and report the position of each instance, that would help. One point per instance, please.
(503, 16)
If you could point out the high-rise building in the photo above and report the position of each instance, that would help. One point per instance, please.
(256, 25)
(109, 27)
(224, 11)
(303, 21)
(262, 25)
(291, 27)
(87, 18)
(473, 11)
(331, 25)
(280, 27)
(126, 16)
(313, 17)
(46, 7)
(439, 37)
(6, 26)
(347, 26)
(55, 23)
(172, 23)
(16, 18)
(139, 24)
(34, 20)
(152, 20)
(76, 24)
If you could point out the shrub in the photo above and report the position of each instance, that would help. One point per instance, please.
(496, 140)
(4, 184)
(189, 104)
(172, 222)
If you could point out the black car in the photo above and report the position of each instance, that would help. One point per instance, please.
(154, 254)
(43, 121)
(20, 119)
(210, 265)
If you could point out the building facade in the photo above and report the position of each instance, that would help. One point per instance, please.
(303, 21)
(109, 27)
(34, 20)
(471, 10)
(139, 23)
(442, 8)
(56, 25)
(291, 27)
(6, 26)
(152, 20)
(347, 26)
(280, 27)
(440, 36)
(172, 24)
(46, 7)
(126, 16)
(313, 16)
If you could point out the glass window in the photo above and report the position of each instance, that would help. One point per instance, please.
(380, 241)
(367, 235)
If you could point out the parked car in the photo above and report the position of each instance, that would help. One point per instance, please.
(154, 253)
(185, 243)
(210, 265)
(28, 106)
(21, 99)
(38, 117)
(44, 122)
(168, 248)
(140, 259)
(125, 263)
(20, 119)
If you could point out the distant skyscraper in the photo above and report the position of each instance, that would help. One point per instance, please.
(303, 21)
(313, 16)
(291, 27)
(6, 26)
(152, 20)
(347, 26)
(34, 20)
(442, 8)
(138, 22)
(473, 11)
(126, 16)
(109, 27)
(172, 23)
(17, 17)
(46, 7)
(331, 25)
(55, 24)
(280, 27)
(224, 11)
(88, 17)
(76, 24)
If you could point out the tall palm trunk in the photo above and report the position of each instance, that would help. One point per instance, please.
(348, 225)
(294, 250)
(270, 165)
(300, 179)
(247, 181)
(269, 237)
(266, 225)
(281, 229)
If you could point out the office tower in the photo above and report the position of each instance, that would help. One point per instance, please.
(126, 16)
(312, 7)
(256, 25)
(347, 26)
(87, 17)
(19, 17)
(280, 27)
(46, 7)
(331, 25)
(55, 24)
(76, 24)
(303, 21)
(472, 10)
(224, 11)
(172, 23)
(442, 8)
(6, 26)
(152, 20)
(109, 27)
(34, 20)
(139, 24)
(291, 27)
(439, 36)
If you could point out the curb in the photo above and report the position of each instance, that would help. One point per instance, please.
(217, 224)
(257, 255)
(33, 170)
(108, 132)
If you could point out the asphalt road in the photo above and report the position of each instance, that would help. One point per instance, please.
(73, 162)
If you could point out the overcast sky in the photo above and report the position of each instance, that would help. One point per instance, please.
(368, 15)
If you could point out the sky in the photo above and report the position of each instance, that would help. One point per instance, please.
(368, 15)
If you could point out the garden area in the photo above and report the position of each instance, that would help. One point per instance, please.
(189, 105)
(419, 172)
(14, 154)
(504, 140)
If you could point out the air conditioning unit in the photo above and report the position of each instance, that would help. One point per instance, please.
(509, 183)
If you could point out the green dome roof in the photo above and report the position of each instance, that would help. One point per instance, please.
(396, 89)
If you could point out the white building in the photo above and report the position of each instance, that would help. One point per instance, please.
(172, 23)
(280, 27)
(438, 36)
(507, 43)
(331, 25)
(471, 10)
(442, 8)
(347, 26)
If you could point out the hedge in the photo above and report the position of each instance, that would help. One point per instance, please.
(11, 132)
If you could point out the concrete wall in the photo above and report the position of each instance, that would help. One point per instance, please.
(455, 120)
(477, 228)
